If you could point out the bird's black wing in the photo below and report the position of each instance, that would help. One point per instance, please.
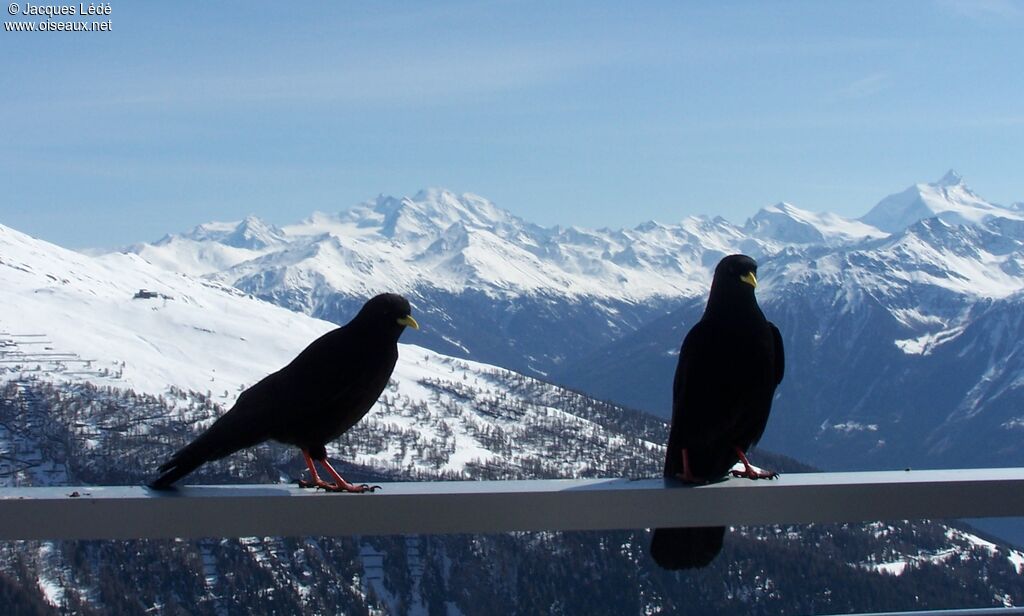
(693, 380)
(698, 383)
(779, 354)
(705, 402)
(759, 404)
(325, 368)
(331, 385)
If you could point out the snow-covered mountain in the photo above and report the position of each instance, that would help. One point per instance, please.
(442, 241)
(902, 350)
(118, 321)
(499, 289)
(492, 285)
(881, 300)
(948, 199)
(787, 224)
(108, 364)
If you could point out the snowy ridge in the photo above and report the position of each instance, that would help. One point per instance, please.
(71, 318)
(786, 223)
(439, 240)
(938, 234)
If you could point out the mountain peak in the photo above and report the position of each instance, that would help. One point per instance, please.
(254, 233)
(949, 199)
(430, 211)
(952, 178)
(251, 232)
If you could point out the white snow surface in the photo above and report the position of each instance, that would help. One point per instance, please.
(68, 317)
(194, 334)
(961, 546)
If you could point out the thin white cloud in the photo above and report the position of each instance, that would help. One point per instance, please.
(427, 78)
(865, 87)
(985, 10)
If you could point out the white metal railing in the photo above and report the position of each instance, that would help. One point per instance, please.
(105, 512)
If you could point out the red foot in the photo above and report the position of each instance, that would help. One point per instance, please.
(749, 471)
(339, 485)
(334, 487)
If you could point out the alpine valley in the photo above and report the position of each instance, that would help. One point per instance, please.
(902, 331)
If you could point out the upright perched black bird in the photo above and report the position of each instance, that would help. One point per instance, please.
(313, 400)
(729, 366)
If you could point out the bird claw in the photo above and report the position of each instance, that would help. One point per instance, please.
(755, 475)
(351, 487)
(334, 487)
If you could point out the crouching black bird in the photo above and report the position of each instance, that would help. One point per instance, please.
(729, 366)
(322, 393)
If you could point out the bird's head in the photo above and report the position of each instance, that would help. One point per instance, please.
(736, 269)
(733, 286)
(732, 289)
(389, 311)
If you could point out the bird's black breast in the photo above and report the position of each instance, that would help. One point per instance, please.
(722, 393)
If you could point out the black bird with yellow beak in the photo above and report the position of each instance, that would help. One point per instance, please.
(313, 400)
(729, 366)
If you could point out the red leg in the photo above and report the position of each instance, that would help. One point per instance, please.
(748, 471)
(316, 481)
(339, 485)
(687, 474)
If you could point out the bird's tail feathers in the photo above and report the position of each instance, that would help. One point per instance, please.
(174, 470)
(188, 459)
(686, 548)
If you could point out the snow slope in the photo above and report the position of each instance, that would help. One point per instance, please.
(195, 334)
(67, 317)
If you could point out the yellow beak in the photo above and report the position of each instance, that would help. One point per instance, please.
(408, 321)
(750, 279)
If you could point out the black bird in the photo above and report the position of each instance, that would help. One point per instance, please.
(322, 393)
(730, 363)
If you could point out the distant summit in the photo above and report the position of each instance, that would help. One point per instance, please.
(428, 213)
(252, 233)
(949, 199)
(952, 178)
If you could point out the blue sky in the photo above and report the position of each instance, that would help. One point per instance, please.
(584, 113)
